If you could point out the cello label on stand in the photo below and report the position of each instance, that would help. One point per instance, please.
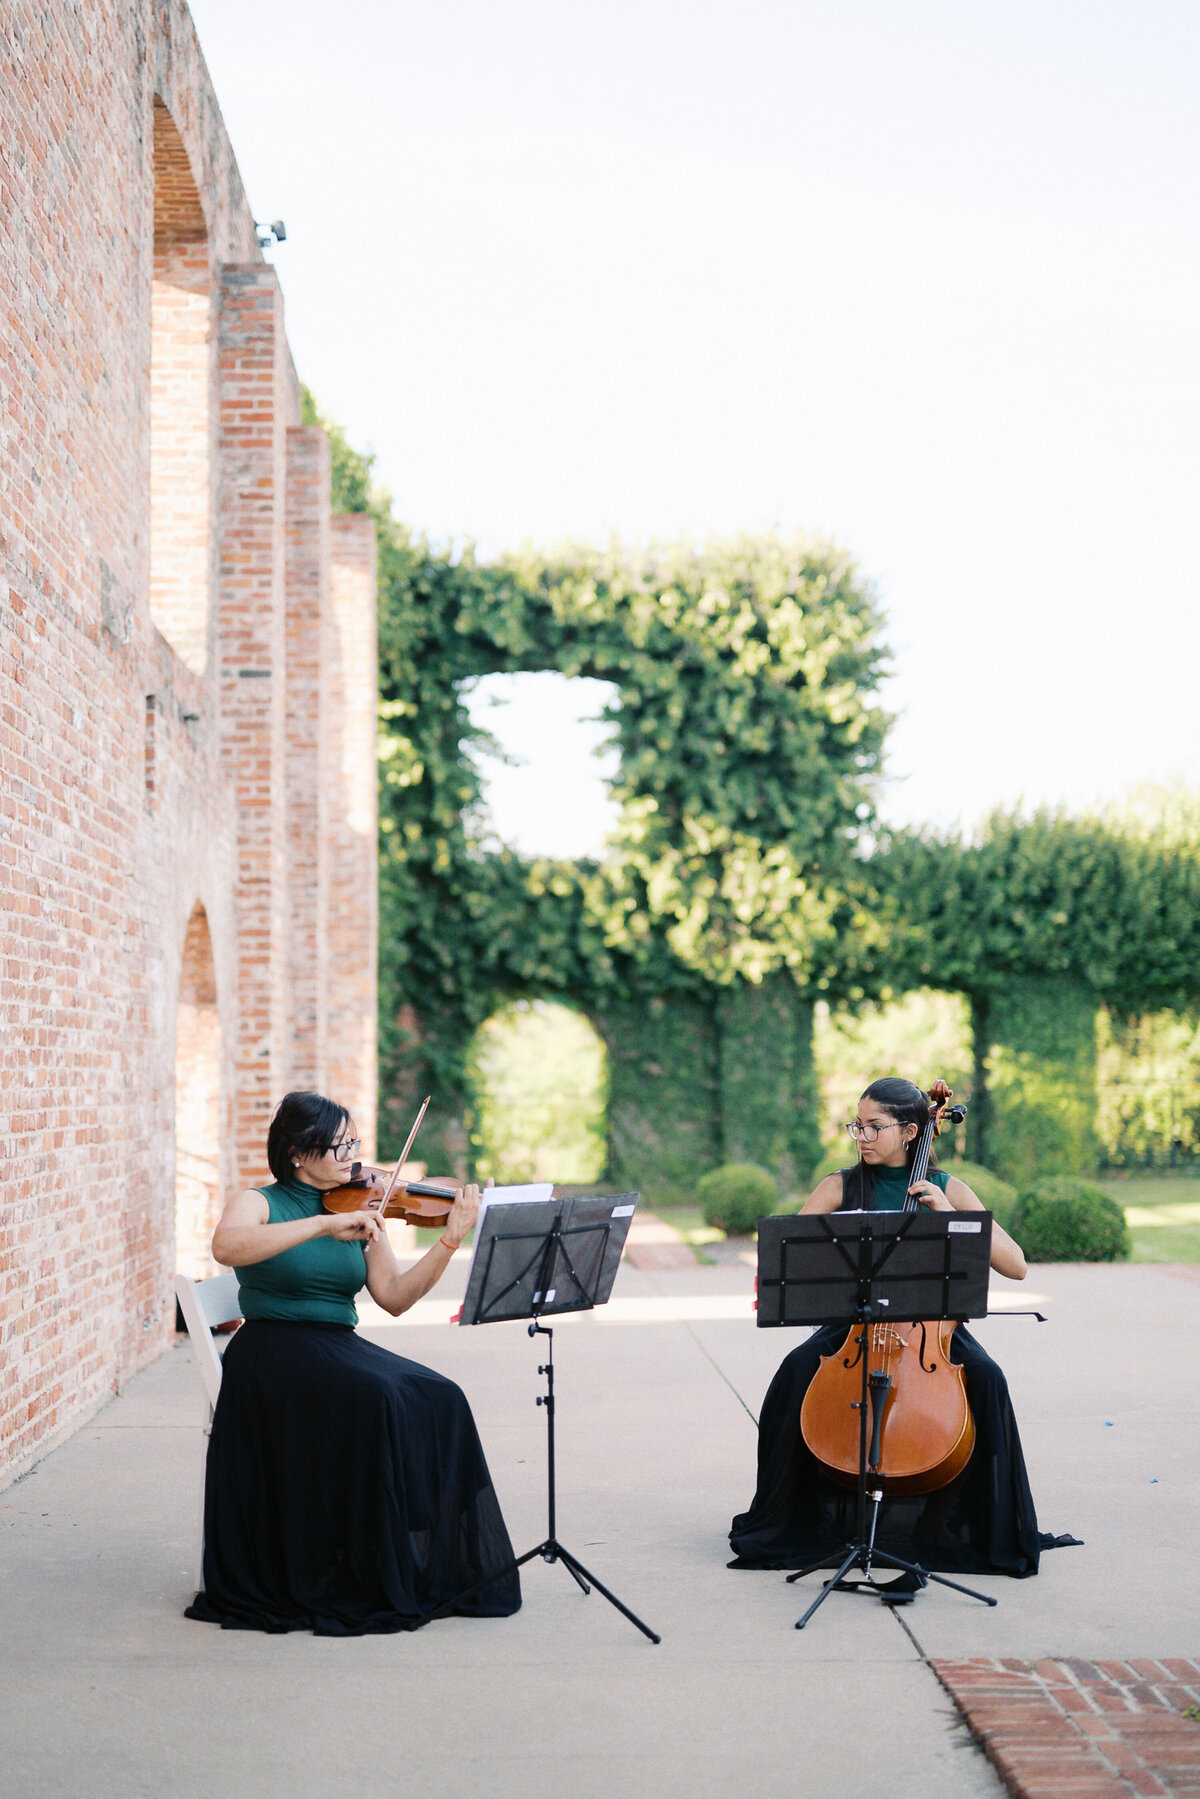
(963, 1224)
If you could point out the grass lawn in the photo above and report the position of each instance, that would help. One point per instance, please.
(1163, 1215)
(688, 1221)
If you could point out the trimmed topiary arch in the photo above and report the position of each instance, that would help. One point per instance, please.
(746, 881)
(748, 739)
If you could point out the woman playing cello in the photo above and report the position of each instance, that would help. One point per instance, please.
(346, 1488)
(983, 1521)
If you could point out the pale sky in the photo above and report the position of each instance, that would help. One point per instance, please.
(546, 795)
(921, 276)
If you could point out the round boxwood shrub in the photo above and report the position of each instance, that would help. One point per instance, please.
(1060, 1219)
(842, 1155)
(999, 1198)
(735, 1197)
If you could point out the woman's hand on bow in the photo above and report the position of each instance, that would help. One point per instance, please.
(354, 1227)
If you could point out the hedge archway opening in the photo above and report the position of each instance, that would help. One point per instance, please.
(545, 758)
(920, 1035)
(539, 1073)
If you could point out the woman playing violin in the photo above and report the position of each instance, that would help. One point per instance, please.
(346, 1487)
(984, 1520)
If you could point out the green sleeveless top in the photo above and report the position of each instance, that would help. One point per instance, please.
(315, 1282)
(891, 1186)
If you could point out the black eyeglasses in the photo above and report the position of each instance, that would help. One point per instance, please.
(344, 1151)
(867, 1133)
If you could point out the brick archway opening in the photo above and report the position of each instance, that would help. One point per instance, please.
(180, 401)
(197, 1104)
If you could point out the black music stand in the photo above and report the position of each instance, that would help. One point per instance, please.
(865, 1268)
(538, 1258)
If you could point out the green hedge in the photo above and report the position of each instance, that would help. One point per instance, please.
(998, 1196)
(749, 734)
(840, 1156)
(1063, 1220)
(735, 1197)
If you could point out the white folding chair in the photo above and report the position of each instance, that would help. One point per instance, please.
(205, 1305)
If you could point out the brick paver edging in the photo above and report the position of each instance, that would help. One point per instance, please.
(653, 1244)
(1082, 1730)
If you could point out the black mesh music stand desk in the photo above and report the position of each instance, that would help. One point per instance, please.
(864, 1268)
(822, 1268)
(535, 1258)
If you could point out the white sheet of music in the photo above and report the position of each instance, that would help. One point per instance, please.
(509, 1196)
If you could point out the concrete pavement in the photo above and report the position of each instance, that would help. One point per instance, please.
(110, 1691)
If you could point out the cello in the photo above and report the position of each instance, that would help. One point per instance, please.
(923, 1430)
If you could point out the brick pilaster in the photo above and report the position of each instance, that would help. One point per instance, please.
(252, 444)
(351, 692)
(309, 629)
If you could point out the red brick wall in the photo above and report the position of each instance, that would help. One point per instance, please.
(252, 439)
(148, 817)
(181, 326)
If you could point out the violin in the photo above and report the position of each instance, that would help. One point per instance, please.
(425, 1203)
(923, 1430)
(375, 1190)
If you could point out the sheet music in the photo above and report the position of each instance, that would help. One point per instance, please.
(529, 1194)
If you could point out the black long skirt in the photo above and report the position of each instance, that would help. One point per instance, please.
(982, 1523)
(346, 1490)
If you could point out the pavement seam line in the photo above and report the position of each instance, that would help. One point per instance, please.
(709, 1358)
(715, 1364)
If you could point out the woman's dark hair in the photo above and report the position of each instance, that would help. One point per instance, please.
(908, 1105)
(305, 1124)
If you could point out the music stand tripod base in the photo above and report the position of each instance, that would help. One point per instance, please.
(864, 1556)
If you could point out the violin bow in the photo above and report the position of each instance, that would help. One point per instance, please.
(412, 1137)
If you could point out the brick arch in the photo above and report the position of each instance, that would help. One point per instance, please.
(178, 212)
(180, 401)
(197, 1102)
